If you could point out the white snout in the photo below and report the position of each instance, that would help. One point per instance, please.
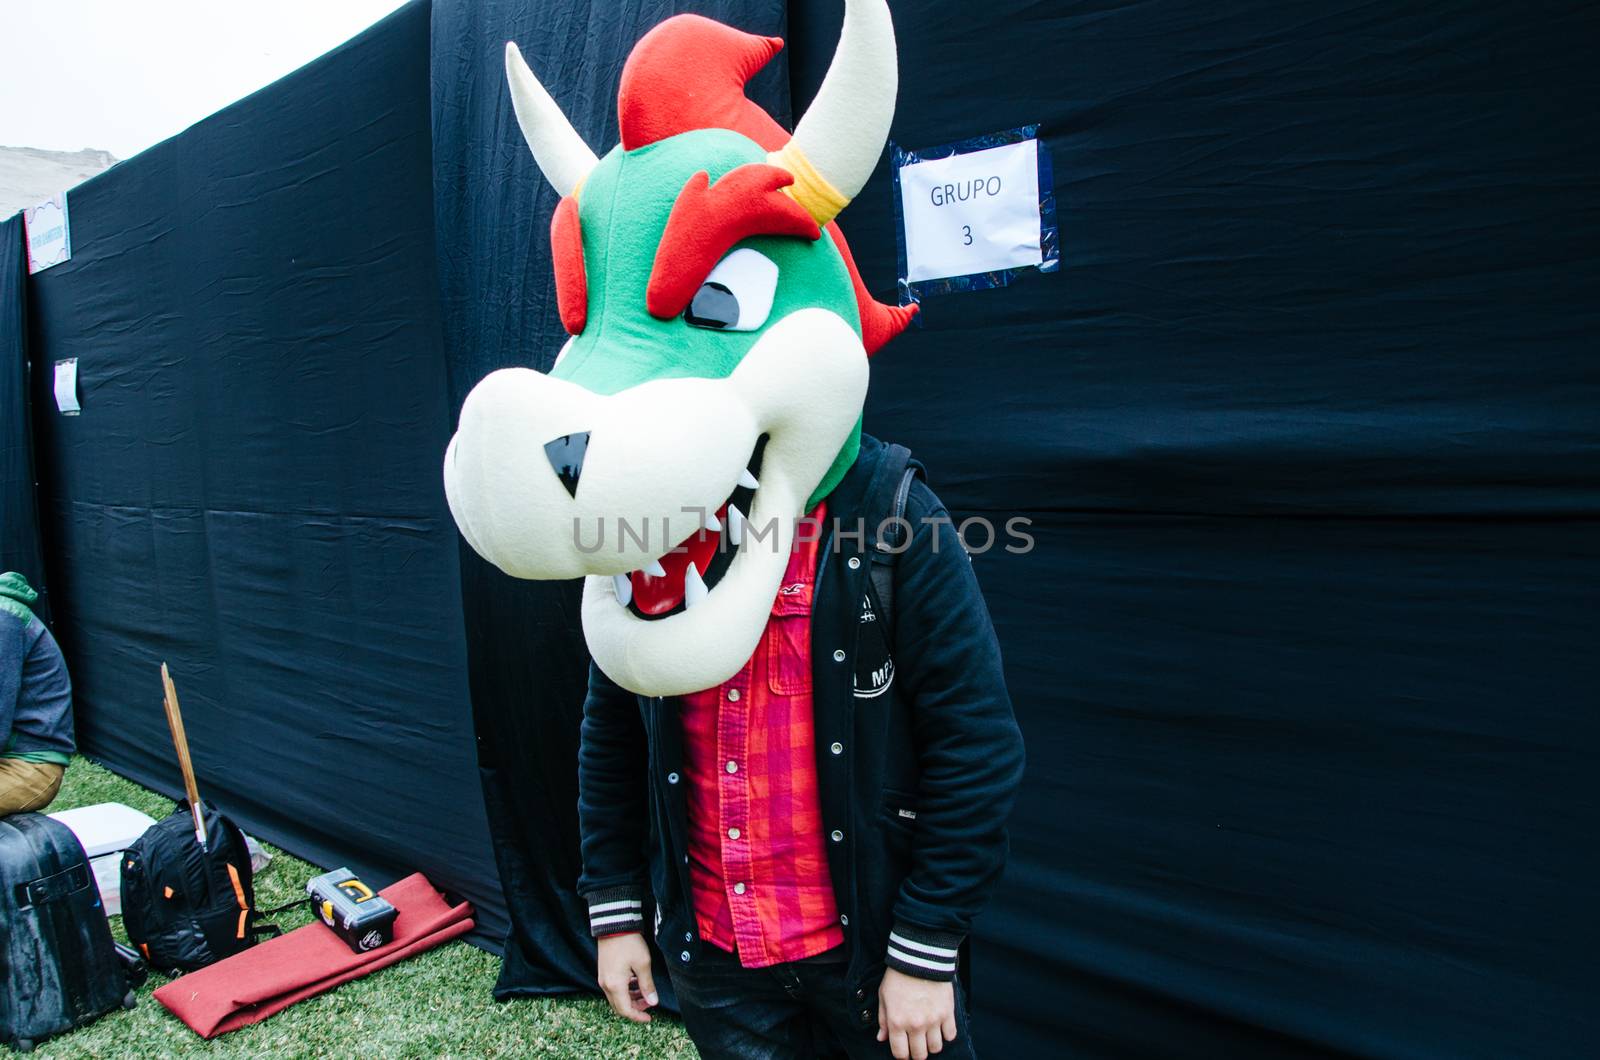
(656, 452)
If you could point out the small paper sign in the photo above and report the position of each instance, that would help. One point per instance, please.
(67, 386)
(49, 233)
(974, 212)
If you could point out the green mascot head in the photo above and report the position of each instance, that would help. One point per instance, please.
(711, 391)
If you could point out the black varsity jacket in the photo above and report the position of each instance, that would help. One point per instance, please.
(918, 757)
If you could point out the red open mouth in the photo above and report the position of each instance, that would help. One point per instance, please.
(687, 574)
(657, 595)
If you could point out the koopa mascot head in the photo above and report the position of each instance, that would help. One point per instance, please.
(711, 392)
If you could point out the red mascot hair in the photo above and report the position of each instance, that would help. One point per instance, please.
(690, 73)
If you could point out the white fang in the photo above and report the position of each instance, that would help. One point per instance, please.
(694, 590)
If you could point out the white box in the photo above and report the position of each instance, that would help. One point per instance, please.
(106, 830)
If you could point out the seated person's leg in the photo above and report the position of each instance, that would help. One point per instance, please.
(27, 785)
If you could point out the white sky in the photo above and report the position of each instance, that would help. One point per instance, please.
(122, 75)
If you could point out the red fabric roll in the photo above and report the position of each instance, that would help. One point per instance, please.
(266, 979)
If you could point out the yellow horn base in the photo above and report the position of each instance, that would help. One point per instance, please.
(810, 189)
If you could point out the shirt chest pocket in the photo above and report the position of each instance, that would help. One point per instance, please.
(788, 640)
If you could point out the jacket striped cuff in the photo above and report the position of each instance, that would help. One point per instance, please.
(923, 953)
(615, 911)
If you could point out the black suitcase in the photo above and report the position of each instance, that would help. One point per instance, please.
(58, 964)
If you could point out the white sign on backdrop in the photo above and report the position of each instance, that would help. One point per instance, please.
(973, 213)
(49, 234)
(66, 387)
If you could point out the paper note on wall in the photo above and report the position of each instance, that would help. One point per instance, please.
(970, 213)
(67, 386)
(49, 233)
(974, 213)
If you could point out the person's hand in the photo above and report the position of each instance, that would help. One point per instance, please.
(915, 1016)
(625, 977)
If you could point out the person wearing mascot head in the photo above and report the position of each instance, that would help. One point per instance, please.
(797, 746)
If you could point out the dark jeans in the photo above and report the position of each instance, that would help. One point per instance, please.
(795, 1011)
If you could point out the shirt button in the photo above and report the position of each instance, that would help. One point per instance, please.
(733, 767)
(738, 888)
(838, 655)
(688, 936)
(837, 748)
(733, 833)
(672, 778)
(844, 919)
(684, 956)
(733, 695)
(855, 563)
(838, 836)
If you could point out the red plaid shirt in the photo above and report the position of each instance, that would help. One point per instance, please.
(757, 866)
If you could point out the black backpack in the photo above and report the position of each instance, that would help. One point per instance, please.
(186, 906)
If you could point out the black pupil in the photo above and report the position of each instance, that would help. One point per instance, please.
(714, 306)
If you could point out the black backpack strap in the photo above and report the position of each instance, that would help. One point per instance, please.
(892, 532)
(255, 924)
(285, 907)
(260, 928)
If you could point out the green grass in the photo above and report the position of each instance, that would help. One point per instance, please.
(435, 1004)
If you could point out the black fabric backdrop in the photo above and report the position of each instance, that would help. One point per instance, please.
(1307, 426)
(252, 492)
(19, 518)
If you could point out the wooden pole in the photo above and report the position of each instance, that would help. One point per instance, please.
(181, 742)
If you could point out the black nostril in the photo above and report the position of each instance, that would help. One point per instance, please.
(566, 456)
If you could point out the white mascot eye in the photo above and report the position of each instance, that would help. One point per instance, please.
(737, 296)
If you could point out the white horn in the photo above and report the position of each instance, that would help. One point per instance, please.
(846, 126)
(563, 157)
